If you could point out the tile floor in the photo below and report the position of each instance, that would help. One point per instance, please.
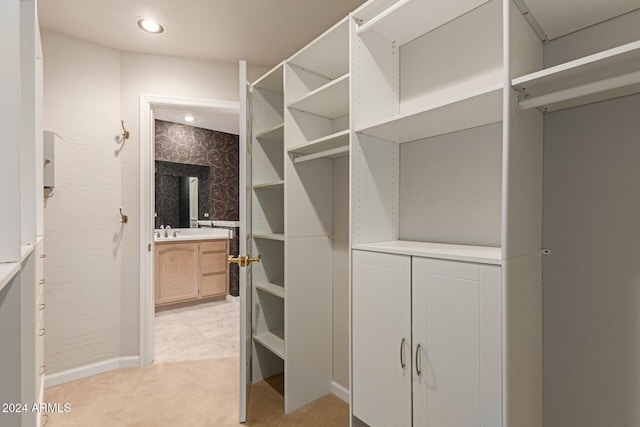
(199, 332)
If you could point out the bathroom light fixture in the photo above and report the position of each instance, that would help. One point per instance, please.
(150, 26)
(188, 117)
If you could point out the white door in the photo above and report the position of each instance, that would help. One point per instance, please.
(381, 334)
(456, 344)
(245, 240)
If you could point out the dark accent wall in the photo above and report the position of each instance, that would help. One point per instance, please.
(177, 143)
(187, 144)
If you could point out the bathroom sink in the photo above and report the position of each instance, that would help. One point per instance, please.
(194, 234)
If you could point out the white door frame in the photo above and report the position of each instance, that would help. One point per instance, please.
(147, 202)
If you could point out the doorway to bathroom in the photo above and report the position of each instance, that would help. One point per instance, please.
(188, 213)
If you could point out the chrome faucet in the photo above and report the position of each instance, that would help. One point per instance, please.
(166, 230)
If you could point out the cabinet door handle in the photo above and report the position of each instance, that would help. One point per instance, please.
(418, 370)
(43, 370)
(42, 331)
(42, 306)
(402, 364)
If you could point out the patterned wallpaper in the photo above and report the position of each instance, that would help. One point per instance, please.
(218, 150)
(187, 144)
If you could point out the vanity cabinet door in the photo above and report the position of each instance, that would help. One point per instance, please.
(177, 272)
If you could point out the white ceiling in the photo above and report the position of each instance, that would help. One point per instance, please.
(263, 32)
(560, 17)
(203, 119)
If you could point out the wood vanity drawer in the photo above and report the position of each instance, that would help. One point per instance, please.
(216, 284)
(215, 246)
(213, 263)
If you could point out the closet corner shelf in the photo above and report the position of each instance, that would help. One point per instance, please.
(477, 254)
(481, 107)
(269, 236)
(407, 20)
(328, 54)
(331, 146)
(275, 134)
(330, 100)
(272, 288)
(603, 75)
(272, 80)
(273, 341)
(8, 270)
(275, 185)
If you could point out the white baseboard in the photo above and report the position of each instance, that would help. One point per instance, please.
(340, 391)
(90, 370)
(232, 298)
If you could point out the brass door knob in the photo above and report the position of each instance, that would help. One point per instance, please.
(240, 260)
(256, 259)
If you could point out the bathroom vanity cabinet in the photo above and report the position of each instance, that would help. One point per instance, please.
(187, 271)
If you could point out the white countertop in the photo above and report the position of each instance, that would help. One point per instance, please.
(194, 234)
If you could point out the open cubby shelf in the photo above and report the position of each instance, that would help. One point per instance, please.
(275, 185)
(272, 341)
(469, 253)
(481, 107)
(275, 134)
(272, 288)
(330, 100)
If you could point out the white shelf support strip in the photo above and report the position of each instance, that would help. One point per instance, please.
(334, 152)
(630, 81)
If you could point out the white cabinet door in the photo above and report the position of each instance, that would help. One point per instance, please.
(381, 304)
(456, 344)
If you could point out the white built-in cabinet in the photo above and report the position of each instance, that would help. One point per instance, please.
(22, 305)
(430, 329)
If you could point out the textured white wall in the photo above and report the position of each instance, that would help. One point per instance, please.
(93, 266)
(82, 104)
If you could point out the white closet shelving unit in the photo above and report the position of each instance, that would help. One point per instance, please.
(268, 224)
(22, 366)
(445, 174)
(316, 132)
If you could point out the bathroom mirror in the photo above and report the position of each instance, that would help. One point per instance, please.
(182, 194)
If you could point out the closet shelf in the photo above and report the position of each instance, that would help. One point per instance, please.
(407, 20)
(275, 134)
(269, 236)
(275, 185)
(477, 254)
(333, 153)
(327, 55)
(273, 341)
(272, 80)
(8, 271)
(330, 101)
(603, 75)
(272, 288)
(335, 140)
(482, 107)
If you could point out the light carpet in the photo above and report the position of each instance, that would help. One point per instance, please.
(193, 393)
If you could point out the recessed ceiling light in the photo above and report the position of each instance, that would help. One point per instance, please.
(150, 26)
(188, 117)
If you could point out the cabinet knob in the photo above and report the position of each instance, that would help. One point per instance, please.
(42, 331)
(42, 306)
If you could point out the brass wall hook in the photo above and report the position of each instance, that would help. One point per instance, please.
(125, 133)
(123, 218)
